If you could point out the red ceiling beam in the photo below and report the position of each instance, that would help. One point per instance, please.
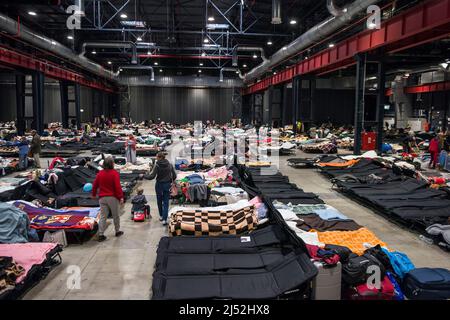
(187, 57)
(430, 87)
(16, 59)
(421, 24)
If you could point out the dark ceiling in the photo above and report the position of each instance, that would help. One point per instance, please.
(177, 28)
(174, 26)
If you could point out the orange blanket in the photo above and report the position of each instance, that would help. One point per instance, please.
(354, 240)
(338, 164)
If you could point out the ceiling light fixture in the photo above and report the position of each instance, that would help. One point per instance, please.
(123, 16)
(331, 45)
(211, 18)
(32, 13)
(203, 54)
(206, 40)
(149, 52)
(70, 37)
(156, 63)
(293, 21)
(138, 39)
(94, 52)
(160, 70)
(244, 66)
(372, 25)
(255, 56)
(284, 48)
(109, 62)
(269, 43)
(201, 64)
(199, 71)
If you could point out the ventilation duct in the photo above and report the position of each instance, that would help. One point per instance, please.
(119, 44)
(310, 37)
(276, 11)
(234, 59)
(334, 10)
(80, 5)
(236, 70)
(252, 49)
(11, 26)
(152, 72)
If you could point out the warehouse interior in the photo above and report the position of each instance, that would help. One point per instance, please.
(307, 142)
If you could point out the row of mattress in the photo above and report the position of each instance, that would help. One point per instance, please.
(398, 196)
(259, 265)
(228, 253)
(66, 190)
(333, 241)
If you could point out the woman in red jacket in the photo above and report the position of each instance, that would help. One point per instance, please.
(107, 186)
(434, 151)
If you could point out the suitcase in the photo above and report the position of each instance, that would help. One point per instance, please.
(427, 284)
(327, 284)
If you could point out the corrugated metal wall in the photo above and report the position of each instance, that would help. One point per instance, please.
(52, 101)
(181, 105)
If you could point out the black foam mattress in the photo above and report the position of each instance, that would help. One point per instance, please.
(270, 282)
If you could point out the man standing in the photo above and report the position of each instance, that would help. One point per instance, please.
(36, 148)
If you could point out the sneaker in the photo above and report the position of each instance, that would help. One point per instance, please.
(119, 233)
(101, 238)
(160, 219)
(164, 223)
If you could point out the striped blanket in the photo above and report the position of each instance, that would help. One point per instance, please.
(212, 221)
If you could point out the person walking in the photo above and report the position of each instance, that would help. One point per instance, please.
(165, 175)
(35, 148)
(131, 149)
(107, 186)
(24, 148)
(434, 152)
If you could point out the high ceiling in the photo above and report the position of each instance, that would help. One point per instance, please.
(172, 39)
(177, 28)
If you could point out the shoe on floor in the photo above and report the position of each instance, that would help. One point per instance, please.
(164, 223)
(101, 238)
(160, 219)
(119, 233)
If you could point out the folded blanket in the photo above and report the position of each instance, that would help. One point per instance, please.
(212, 221)
(357, 241)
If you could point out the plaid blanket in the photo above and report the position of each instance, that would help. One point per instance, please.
(207, 222)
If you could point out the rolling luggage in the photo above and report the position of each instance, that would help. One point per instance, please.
(327, 283)
(427, 284)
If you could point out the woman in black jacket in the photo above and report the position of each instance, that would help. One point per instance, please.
(165, 174)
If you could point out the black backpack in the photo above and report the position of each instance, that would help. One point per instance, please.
(354, 272)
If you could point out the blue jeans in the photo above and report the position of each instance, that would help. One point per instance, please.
(162, 197)
(23, 161)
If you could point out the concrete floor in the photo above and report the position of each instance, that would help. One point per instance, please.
(121, 268)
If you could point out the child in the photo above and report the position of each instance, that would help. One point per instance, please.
(140, 204)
